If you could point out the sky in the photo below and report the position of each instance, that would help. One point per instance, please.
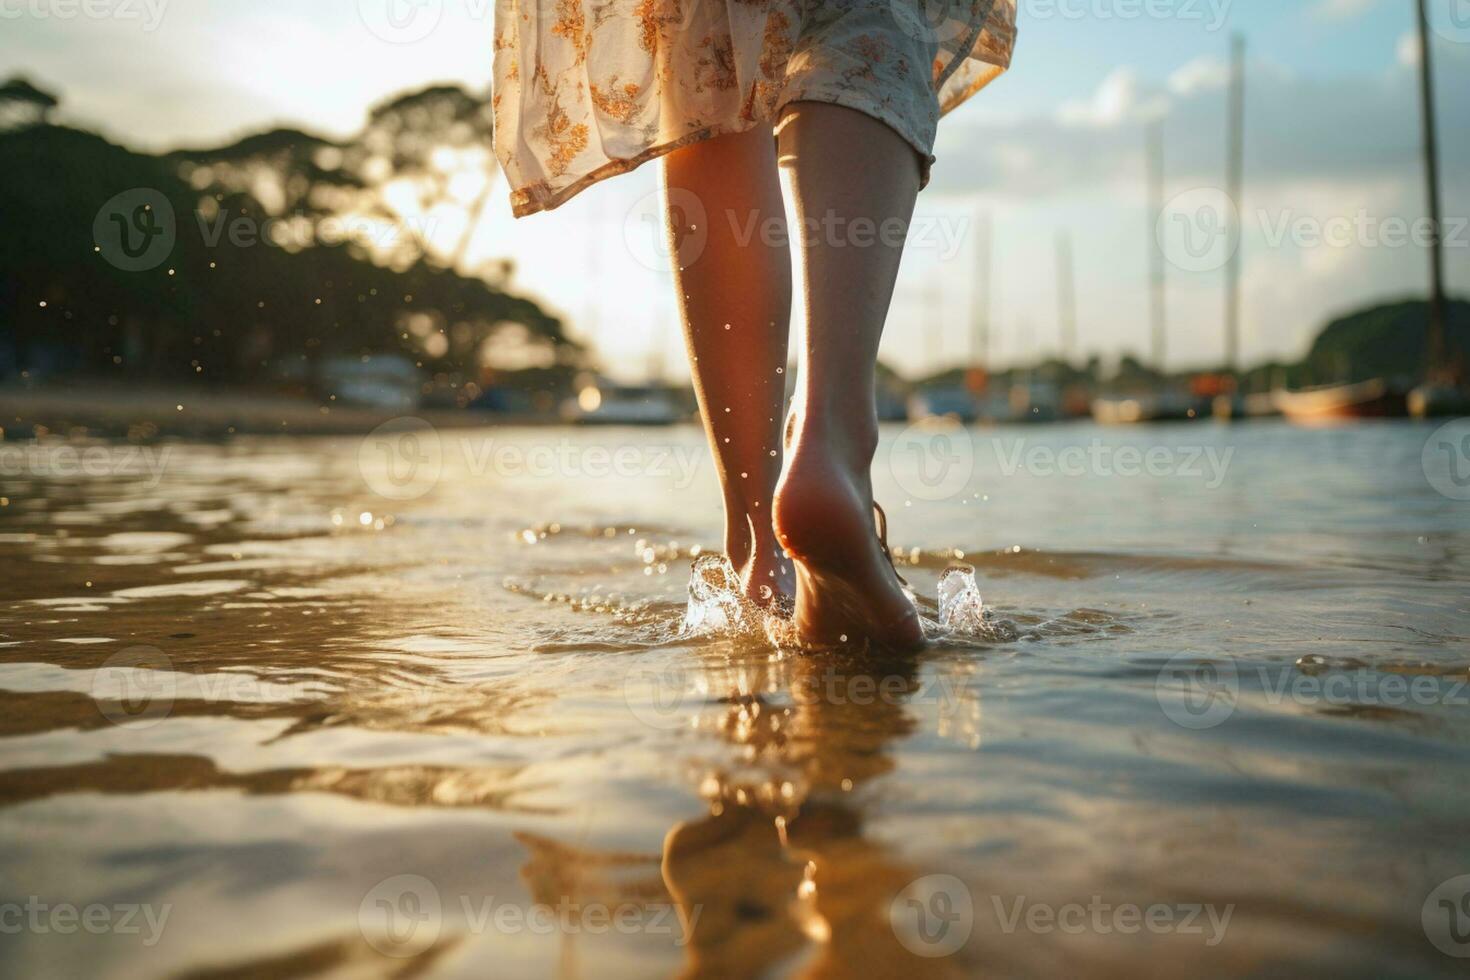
(1334, 184)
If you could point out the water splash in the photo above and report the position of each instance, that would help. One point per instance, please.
(718, 607)
(716, 604)
(961, 609)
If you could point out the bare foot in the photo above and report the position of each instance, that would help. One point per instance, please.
(846, 588)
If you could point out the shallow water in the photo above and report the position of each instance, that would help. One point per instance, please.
(433, 704)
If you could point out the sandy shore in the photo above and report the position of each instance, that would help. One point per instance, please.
(146, 412)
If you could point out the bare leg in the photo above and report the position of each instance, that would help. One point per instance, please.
(854, 219)
(734, 279)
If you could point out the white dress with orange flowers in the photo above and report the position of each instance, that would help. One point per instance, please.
(586, 89)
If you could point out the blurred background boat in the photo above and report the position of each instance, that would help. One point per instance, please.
(388, 381)
(1335, 403)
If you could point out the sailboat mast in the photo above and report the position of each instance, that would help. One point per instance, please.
(1438, 351)
(1236, 170)
(935, 308)
(980, 310)
(1155, 249)
(1066, 296)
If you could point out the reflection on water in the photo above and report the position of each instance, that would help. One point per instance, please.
(314, 723)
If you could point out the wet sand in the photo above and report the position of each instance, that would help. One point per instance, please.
(420, 704)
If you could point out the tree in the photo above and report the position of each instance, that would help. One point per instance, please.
(22, 104)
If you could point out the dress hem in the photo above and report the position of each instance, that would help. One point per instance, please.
(538, 197)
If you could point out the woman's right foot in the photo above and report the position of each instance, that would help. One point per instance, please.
(846, 588)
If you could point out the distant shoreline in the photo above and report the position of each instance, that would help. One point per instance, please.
(117, 410)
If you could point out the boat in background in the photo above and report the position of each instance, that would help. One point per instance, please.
(1335, 403)
(385, 381)
(607, 403)
(1168, 406)
(1036, 401)
(1259, 405)
(943, 401)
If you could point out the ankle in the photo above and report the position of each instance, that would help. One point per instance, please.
(848, 433)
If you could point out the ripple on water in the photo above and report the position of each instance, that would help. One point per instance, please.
(148, 541)
(208, 587)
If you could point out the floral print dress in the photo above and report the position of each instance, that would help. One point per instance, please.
(586, 89)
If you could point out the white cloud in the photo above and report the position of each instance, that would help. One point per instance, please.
(1342, 9)
(1203, 74)
(1119, 99)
